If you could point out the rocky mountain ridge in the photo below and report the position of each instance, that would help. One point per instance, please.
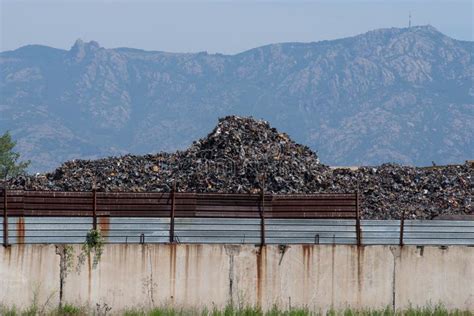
(390, 95)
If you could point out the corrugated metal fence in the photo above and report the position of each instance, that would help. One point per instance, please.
(67, 217)
(32, 230)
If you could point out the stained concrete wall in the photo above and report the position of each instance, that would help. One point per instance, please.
(314, 276)
(29, 273)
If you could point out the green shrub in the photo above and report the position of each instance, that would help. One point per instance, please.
(69, 309)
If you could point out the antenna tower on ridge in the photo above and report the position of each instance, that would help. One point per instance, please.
(409, 19)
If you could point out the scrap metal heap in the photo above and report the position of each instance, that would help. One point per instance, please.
(242, 155)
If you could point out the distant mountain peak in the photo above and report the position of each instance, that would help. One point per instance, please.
(424, 29)
(79, 44)
(428, 30)
(80, 49)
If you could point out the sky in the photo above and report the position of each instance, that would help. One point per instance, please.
(226, 27)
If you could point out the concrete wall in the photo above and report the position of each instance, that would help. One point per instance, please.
(315, 276)
(29, 274)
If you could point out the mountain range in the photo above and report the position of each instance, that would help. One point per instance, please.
(402, 95)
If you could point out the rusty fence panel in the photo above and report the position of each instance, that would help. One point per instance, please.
(124, 204)
(12, 202)
(102, 206)
(126, 217)
(5, 217)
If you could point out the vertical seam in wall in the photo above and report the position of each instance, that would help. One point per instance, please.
(231, 279)
(150, 267)
(394, 284)
(231, 251)
(394, 291)
(62, 266)
(333, 262)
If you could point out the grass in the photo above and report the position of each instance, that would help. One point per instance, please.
(66, 310)
(69, 310)
(255, 311)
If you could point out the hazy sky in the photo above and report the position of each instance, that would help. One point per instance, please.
(216, 26)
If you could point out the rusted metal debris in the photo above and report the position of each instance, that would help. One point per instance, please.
(235, 155)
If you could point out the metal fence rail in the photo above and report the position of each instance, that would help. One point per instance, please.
(101, 207)
(67, 217)
(153, 204)
(26, 230)
(418, 232)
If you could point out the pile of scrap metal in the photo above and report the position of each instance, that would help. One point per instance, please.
(243, 155)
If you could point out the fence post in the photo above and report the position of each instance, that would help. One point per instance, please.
(173, 193)
(402, 228)
(94, 209)
(5, 217)
(262, 217)
(359, 241)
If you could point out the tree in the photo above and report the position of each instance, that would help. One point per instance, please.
(9, 164)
